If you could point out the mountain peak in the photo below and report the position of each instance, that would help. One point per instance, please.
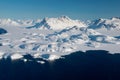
(58, 23)
(65, 17)
(44, 20)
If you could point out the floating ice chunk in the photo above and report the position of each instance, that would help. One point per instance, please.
(53, 57)
(1, 55)
(16, 56)
(50, 57)
(41, 62)
(25, 60)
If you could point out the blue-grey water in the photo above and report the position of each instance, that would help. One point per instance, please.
(92, 65)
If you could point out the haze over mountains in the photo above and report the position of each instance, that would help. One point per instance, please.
(54, 37)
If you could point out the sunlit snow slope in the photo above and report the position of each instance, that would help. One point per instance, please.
(51, 38)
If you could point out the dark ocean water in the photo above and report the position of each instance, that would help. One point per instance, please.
(92, 65)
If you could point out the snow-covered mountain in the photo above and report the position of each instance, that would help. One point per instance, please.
(54, 37)
(58, 23)
(19, 23)
(107, 26)
(8, 22)
(111, 23)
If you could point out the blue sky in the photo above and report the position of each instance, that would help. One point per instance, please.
(76, 9)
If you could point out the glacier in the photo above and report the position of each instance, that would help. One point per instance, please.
(51, 38)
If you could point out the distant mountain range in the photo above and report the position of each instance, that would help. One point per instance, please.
(11, 22)
(63, 22)
(106, 23)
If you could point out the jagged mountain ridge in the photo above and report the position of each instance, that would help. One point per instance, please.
(62, 23)
(58, 23)
(108, 24)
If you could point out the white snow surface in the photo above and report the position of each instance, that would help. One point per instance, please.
(16, 56)
(54, 38)
(111, 23)
(109, 27)
(18, 23)
(58, 23)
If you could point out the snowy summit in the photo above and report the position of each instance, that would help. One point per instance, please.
(58, 23)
